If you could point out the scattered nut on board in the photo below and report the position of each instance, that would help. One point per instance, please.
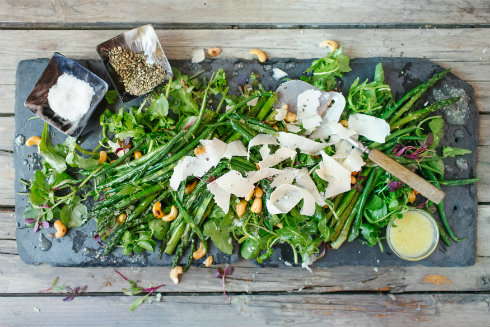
(259, 53)
(329, 44)
(213, 52)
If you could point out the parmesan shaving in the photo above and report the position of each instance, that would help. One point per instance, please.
(280, 155)
(261, 139)
(281, 114)
(335, 111)
(335, 174)
(307, 106)
(264, 151)
(304, 180)
(293, 128)
(354, 161)
(221, 197)
(234, 183)
(302, 143)
(373, 128)
(286, 176)
(286, 197)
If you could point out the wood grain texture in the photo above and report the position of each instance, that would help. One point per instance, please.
(92, 13)
(463, 50)
(252, 310)
(249, 278)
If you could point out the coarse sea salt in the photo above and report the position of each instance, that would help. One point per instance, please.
(70, 97)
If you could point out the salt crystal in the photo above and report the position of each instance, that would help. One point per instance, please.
(70, 97)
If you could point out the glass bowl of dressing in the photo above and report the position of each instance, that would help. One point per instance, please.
(414, 236)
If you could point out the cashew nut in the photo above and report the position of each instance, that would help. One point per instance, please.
(250, 195)
(209, 261)
(157, 210)
(259, 53)
(353, 180)
(200, 150)
(60, 229)
(257, 165)
(344, 123)
(256, 205)
(102, 157)
(258, 192)
(240, 208)
(34, 140)
(137, 155)
(412, 196)
(275, 127)
(290, 117)
(171, 215)
(121, 218)
(199, 253)
(329, 44)
(190, 187)
(176, 274)
(213, 52)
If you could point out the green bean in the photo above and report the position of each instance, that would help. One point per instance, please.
(107, 169)
(440, 209)
(443, 235)
(373, 176)
(343, 205)
(267, 107)
(453, 182)
(240, 128)
(413, 95)
(347, 216)
(417, 115)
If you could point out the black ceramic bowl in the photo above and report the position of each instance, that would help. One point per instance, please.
(142, 39)
(37, 101)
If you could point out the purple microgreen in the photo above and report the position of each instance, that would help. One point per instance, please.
(53, 284)
(45, 224)
(421, 205)
(36, 226)
(126, 141)
(220, 273)
(30, 221)
(97, 238)
(134, 289)
(430, 139)
(73, 292)
(398, 150)
(394, 185)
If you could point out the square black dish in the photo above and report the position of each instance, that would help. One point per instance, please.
(78, 248)
(37, 101)
(139, 40)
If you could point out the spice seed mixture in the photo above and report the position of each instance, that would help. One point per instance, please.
(137, 75)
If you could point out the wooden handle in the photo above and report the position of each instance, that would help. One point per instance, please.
(408, 177)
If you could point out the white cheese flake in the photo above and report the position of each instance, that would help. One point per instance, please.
(221, 197)
(197, 56)
(261, 139)
(294, 141)
(335, 174)
(286, 197)
(373, 128)
(233, 182)
(281, 114)
(280, 155)
(307, 106)
(334, 112)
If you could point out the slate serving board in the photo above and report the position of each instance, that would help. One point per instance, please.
(79, 248)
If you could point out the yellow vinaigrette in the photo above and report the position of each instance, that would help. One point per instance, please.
(414, 236)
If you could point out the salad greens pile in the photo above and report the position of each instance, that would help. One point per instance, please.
(145, 143)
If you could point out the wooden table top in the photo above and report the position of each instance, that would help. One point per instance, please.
(454, 34)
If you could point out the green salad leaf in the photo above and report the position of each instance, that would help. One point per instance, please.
(450, 152)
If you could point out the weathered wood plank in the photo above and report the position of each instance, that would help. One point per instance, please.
(248, 278)
(7, 176)
(253, 11)
(464, 50)
(252, 310)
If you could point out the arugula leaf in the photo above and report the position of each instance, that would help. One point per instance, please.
(451, 152)
(39, 189)
(325, 70)
(375, 210)
(220, 232)
(111, 96)
(158, 107)
(436, 126)
(74, 214)
(48, 152)
(370, 233)
(369, 97)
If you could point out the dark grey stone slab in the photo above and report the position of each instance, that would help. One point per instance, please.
(402, 74)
